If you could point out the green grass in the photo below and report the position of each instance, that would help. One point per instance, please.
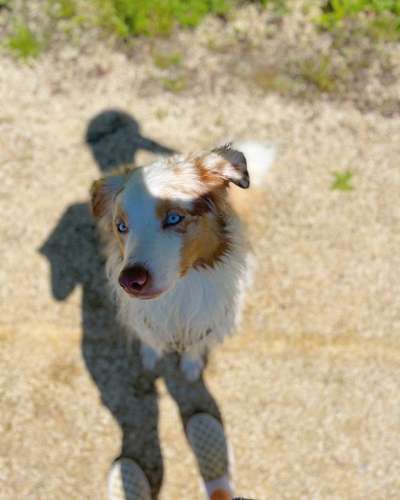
(378, 19)
(157, 17)
(342, 181)
(165, 61)
(23, 42)
(320, 73)
(299, 77)
(124, 18)
(174, 84)
(383, 16)
(62, 9)
(279, 7)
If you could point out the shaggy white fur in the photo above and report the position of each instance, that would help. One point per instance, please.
(200, 308)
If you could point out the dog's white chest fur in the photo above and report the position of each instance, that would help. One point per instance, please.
(198, 312)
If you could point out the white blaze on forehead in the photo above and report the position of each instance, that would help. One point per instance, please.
(138, 203)
(147, 242)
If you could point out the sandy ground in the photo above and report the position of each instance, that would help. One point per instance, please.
(309, 389)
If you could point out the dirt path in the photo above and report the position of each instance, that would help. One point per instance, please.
(309, 389)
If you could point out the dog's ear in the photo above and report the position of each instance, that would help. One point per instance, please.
(228, 164)
(103, 192)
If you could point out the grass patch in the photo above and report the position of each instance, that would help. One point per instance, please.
(279, 7)
(386, 27)
(319, 72)
(165, 61)
(381, 17)
(23, 42)
(62, 9)
(161, 114)
(174, 84)
(299, 78)
(218, 46)
(377, 19)
(342, 181)
(271, 80)
(157, 17)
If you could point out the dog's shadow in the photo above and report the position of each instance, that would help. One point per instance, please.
(72, 249)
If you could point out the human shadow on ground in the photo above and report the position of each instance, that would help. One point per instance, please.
(73, 251)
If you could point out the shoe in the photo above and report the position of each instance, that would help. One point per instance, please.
(127, 481)
(207, 439)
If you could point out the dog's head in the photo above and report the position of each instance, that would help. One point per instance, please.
(169, 217)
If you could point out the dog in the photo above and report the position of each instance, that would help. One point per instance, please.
(177, 253)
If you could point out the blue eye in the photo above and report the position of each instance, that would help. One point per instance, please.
(173, 218)
(122, 228)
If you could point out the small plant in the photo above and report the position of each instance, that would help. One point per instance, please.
(385, 27)
(161, 114)
(342, 181)
(62, 9)
(319, 72)
(218, 46)
(174, 84)
(165, 61)
(279, 7)
(23, 42)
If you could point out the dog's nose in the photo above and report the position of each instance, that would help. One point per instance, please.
(134, 278)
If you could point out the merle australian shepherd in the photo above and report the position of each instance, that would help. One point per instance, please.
(177, 255)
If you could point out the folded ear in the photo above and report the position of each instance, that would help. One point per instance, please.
(229, 164)
(103, 192)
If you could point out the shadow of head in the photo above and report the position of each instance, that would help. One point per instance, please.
(114, 138)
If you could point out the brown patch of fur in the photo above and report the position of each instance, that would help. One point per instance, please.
(201, 206)
(105, 189)
(162, 208)
(120, 216)
(210, 178)
(205, 238)
(205, 243)
(211, 240)
(98, 198)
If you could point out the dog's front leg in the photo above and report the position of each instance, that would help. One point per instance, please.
(191, 365)
(150, 356)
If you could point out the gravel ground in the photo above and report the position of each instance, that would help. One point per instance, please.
(309, 388)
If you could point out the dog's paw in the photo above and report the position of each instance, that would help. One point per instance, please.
(149, 357)
(191, 367)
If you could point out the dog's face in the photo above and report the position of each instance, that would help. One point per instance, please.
(169, 217)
